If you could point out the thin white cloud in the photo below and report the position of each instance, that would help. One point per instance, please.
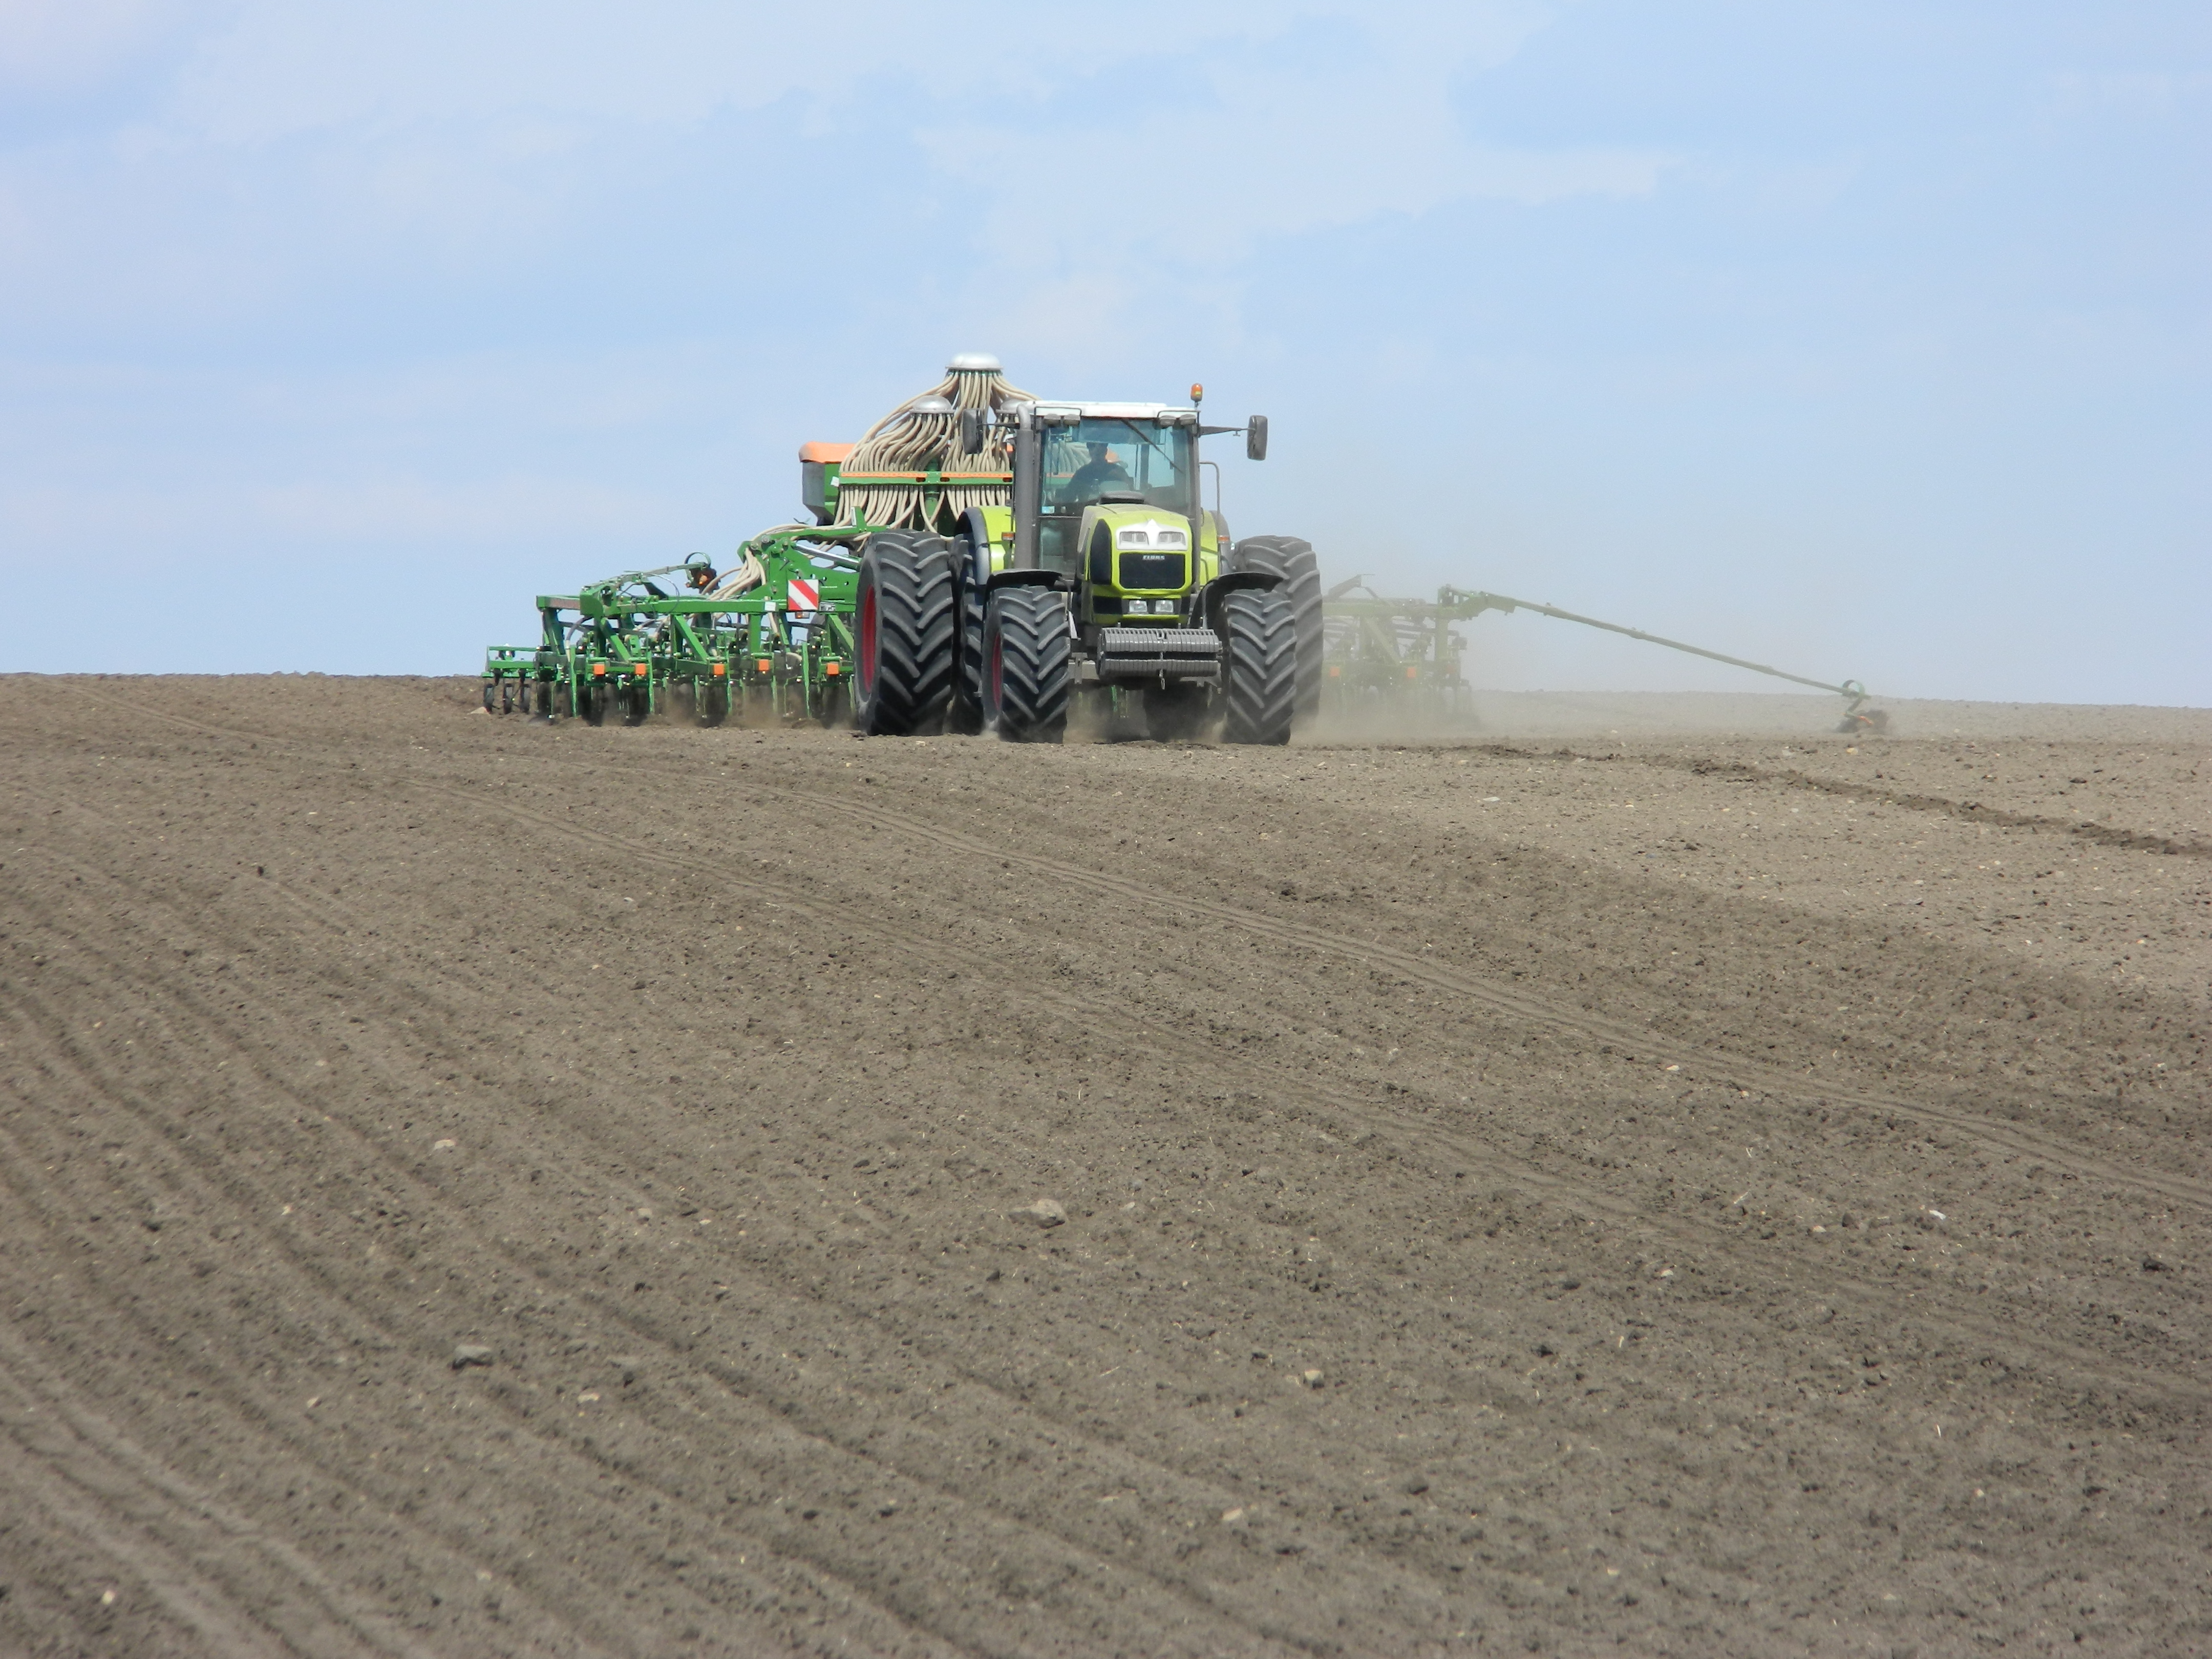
(66, 45)
(273, 67)
(2139, 94)
(326, 514)
(300, 142)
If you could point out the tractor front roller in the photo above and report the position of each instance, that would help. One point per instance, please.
(1028, 665)
(906, 627)
(1293, 559)
(1259, 666)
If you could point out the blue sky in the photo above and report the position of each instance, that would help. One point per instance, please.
(1869, 339)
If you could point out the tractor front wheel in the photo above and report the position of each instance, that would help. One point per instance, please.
(905, 624)
(1028, 665)
(1259, 665)
(1292, 559)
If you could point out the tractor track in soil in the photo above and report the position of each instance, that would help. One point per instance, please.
(2067, 1360)
(893, 1418)
(770, 1413)
(208, 1193)
(1080, 1011)
(1645, 1043)
(121, 1507)
(645, 1334)
(1967, 812)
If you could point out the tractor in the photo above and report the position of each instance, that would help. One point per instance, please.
(1039, 553)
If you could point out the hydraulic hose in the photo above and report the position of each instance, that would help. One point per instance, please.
(921, 434)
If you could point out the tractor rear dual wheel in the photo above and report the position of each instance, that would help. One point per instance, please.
(1029, 664)
(906, 624)
(965, 715)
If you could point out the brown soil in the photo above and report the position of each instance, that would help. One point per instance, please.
(1537, 1195)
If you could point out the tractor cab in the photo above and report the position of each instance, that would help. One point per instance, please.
(1117, 513)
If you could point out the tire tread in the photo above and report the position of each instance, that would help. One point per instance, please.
(1258, 669)
(1037, 662)
(912, 572)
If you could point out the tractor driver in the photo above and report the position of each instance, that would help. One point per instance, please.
(1100, 473)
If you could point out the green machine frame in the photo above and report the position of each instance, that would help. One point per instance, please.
(775, 641)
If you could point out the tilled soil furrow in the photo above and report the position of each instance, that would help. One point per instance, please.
(110, 1541)
(1970, 812)
(1384, 1316)
(2178, 1184)
(2066, 1357)
(342, 1322)
(639, 854)
(1110, 1469)
(449, 1535)
(342, 1463)
(1186, 1508)
(912, 1488)
(1640, 1040)
(1952, 1317)
(194, 1555)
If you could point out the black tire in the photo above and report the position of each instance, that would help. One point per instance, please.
(1259, 666)
(491, 691)
(1174, 713)
(592, 701)
(965, 716)
(1292, 560)
(1028, 665)
(713, 703)
(635, 699)
(905, 624)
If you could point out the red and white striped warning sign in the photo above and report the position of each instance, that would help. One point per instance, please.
(805, 595)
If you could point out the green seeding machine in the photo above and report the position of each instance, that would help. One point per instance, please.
(981, 562)
(772, 639)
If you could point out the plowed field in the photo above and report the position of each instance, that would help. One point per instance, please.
(469, 1188)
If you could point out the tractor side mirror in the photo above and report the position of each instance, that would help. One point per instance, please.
(972, 424)
(1256, 438)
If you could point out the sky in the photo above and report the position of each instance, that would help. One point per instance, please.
(1868, 339)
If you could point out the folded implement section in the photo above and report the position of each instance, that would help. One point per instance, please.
(1403, 655)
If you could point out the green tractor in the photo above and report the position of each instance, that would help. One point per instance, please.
(1044, 552)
